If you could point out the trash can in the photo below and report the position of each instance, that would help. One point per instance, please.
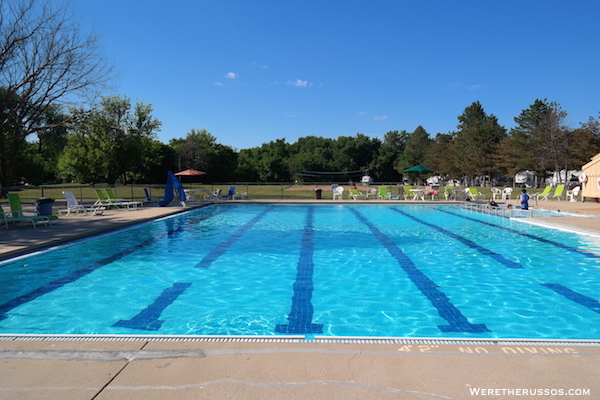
(318, 193)
(44, 205)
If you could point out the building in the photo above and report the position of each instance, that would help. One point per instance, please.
(591, 179)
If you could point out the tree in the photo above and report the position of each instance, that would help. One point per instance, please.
(542, 133)
(584, 143)
(476, 140)
(200, 150)
(415, 149)
(440, 156)
(109, 143)
(388, 156)
(46, 60)
(270, 162)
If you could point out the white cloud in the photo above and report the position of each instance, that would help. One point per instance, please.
(452, 85)
(361, 113)
(299, 83)
(475, 87)
(231, 75)
(217, 84)
(380, 117)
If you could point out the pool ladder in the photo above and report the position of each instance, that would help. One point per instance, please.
(206, 195)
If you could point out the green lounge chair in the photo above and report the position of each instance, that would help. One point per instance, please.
(383, 193)
(16, 210)
(103, 199)
(6, 218)
(543, 195)
(407, 192)
(112, 198)
(474, 194)
(355, 194)
(558, 192)
(447, 192)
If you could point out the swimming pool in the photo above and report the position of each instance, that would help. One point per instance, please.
(343, 270)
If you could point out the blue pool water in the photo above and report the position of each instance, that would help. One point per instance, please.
(344, 270)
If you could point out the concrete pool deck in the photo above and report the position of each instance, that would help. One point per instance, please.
(276, 368)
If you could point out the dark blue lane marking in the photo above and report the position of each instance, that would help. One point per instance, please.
(486, 252)
(147, 319)
(73, 276)
(457, 321)
(528, 235)
(223, 246)
(301, 314)
(579, 298)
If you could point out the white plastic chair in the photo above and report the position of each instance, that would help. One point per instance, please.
(496, 192)
(572, 194)
(338, 192)
(506, 193)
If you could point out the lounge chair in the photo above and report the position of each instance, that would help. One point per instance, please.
(338, 191)
(473, 193)
(243, 196)
(150, 199)
(34, 220)
(106, 200)
(355, 194)
(73, 206)
(230, 193)
(406, 192)
(558, 192)
(383, 194)
(448, 193)
(543, 195)
(122, 202)
(16, 210)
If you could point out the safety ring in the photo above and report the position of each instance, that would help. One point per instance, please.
(583, 178)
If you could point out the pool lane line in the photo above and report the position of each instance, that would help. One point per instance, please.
(301, 313)
(223, 246)
(486, 252)
(528, 235)
(147, 319)
(448, 311)
(73, 276)
(577, 297)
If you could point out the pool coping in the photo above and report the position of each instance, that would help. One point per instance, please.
(299, 339)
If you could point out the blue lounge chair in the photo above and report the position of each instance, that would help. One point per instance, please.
(230, 193)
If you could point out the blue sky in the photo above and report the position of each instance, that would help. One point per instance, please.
(253, 71)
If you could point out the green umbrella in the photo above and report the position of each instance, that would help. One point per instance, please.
(419, 169)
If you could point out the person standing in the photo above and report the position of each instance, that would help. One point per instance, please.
(524, 199)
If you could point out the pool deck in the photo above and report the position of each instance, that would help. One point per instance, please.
(62, 368)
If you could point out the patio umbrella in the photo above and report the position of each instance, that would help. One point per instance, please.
(418, 170)
(190, 172)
